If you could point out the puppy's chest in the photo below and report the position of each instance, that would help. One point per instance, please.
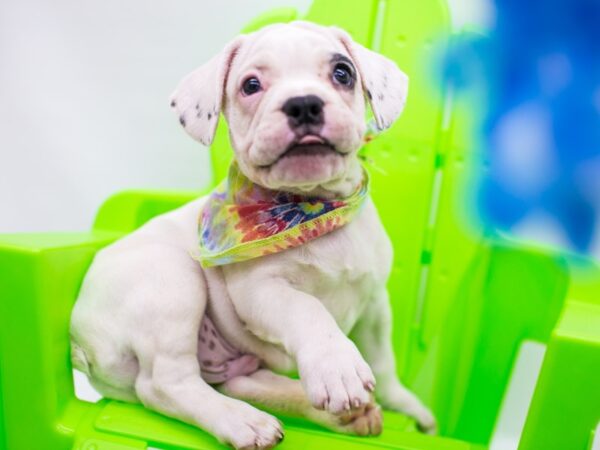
(343, 269)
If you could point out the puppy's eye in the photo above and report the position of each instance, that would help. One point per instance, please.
(251, 86)
(342, 74)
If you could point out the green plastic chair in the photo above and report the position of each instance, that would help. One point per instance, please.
(463, 303)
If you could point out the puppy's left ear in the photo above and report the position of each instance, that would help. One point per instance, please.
(199, 97)
(384, 84)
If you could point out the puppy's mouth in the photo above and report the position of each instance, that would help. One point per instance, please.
(309, 145)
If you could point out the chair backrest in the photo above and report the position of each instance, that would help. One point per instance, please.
(450, 333)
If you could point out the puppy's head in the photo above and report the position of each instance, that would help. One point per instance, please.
(294, 98)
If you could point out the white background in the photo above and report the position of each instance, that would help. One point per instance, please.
(83, 99)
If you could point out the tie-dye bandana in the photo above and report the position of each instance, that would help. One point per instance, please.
(241, 220)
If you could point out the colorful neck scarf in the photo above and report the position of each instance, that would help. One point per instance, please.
(241, 220)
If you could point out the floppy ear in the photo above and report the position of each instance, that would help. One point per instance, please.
(199, 97)
(384, 84)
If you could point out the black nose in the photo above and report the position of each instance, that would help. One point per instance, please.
(307, 110)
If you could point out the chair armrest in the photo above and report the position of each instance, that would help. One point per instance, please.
(40, 275)
(128, 210)
(565, 407)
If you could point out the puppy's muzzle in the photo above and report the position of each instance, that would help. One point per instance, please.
(304, 111)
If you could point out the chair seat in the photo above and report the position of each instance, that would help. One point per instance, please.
(110, 423)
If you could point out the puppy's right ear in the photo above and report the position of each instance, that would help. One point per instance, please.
(384, 84)
(199, 97)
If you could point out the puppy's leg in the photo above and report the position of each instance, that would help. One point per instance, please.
(332, 371)
(283, 395)
(373, 337)
(163, 314)
(173, 387)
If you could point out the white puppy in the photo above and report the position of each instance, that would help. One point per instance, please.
(294, 98)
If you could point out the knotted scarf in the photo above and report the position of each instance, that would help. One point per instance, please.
(242, 220)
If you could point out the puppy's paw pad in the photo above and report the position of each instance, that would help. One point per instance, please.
(368, 421)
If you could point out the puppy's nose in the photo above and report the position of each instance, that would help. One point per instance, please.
(306, 110)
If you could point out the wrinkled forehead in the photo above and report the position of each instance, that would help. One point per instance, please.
(288, 49)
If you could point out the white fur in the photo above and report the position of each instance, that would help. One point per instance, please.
(135, 324)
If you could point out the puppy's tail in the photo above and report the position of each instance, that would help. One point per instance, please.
(79, 359)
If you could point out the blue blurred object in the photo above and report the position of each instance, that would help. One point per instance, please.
(540, 68)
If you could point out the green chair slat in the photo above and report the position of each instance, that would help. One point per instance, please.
(565, 410)
(406, 156)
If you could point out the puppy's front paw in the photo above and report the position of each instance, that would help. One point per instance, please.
(245, 427)
(336, 377)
